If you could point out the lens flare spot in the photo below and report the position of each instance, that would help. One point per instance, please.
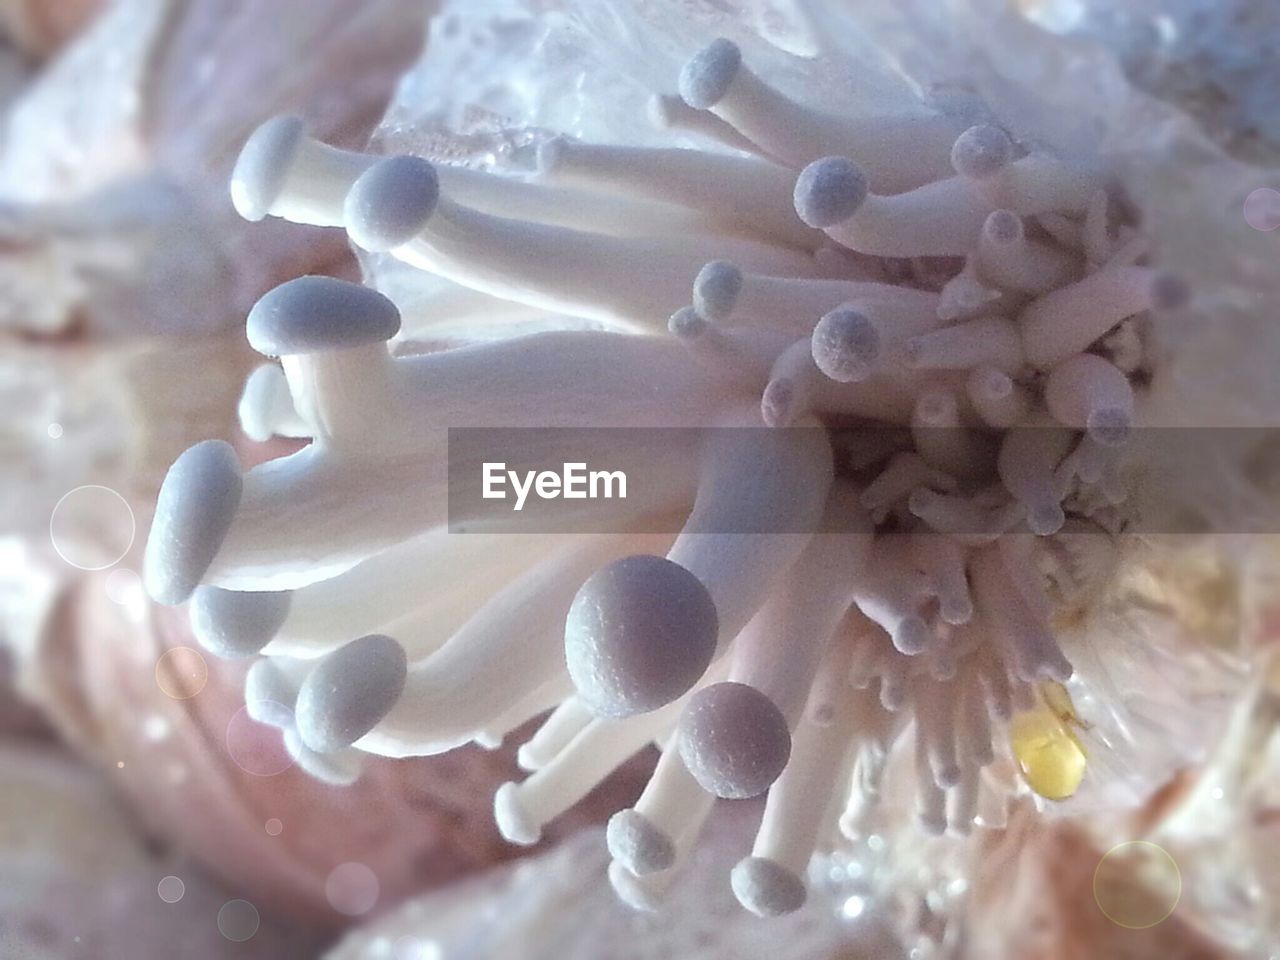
(352, 889)
(1137, 885)
(181, 673)
(238, 920)
(258, 748)
(1262, 209)
(92, 527)
(171, 889)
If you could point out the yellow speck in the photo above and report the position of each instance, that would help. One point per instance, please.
(1050, 755)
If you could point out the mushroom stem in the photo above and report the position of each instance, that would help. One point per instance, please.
(738, 193)
(899, 151)
(638, 281)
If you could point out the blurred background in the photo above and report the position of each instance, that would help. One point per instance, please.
(144, 815)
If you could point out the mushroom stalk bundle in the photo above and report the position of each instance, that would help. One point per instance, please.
(767, 294)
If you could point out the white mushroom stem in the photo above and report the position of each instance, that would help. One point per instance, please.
(1089, 393)
(772, 881)
(997, 399)
(673, 801)
(312, 515)
(282, 172)
(668, 111)
(266, 407)
(904, 473)
(565, 722)
(899, 151)
(778, 652)
(652, 836)
(608, 213)
(988, 341)
(760, 498)
(1009, 259)
(452, 311)
(964, 517)
(635, 280)
(797, 387)
(892, 591)
(946, 442)
(1029, 642)
(739, 193)
(1064, 230)
(533, 704)
(418, 591)
(943, 560)
(966, 295)
(931, 799)
(522, 810)
(365, 400)
(962, 800)
(976, 724)
(724, 294)
(1038, 184)
(936, 729)
(940, 219)
(509, 648)
(750, 352)
(1029, 457)
(1067, 320)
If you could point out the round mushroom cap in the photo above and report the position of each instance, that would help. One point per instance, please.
(846, 345)
(639, 634)
(350, 692)
(391, 203)
(705, 79)
(981, 151)
(830, 191)
(716, 289)
(734, 740)
(233, 625)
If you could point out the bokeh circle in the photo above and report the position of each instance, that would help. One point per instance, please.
(171, 889)
(181, 672)
(238, 920)
(352, 889)
(1137, 885)
(258, 748)
(92, 527)
(1262, 209)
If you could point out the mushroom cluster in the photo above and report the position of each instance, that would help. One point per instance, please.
(905, 353)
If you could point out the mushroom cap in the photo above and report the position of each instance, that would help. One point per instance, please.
(705, 79)
(349, 692)
(830, 191)
(233, 625)
(846, 345)
(263, 166)
(639, 634)
(766, 888)
(195, 509)
(315, 314)
(981, 152)
(734, 740)
(391, 203)
(716, 289)
(639, 845)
